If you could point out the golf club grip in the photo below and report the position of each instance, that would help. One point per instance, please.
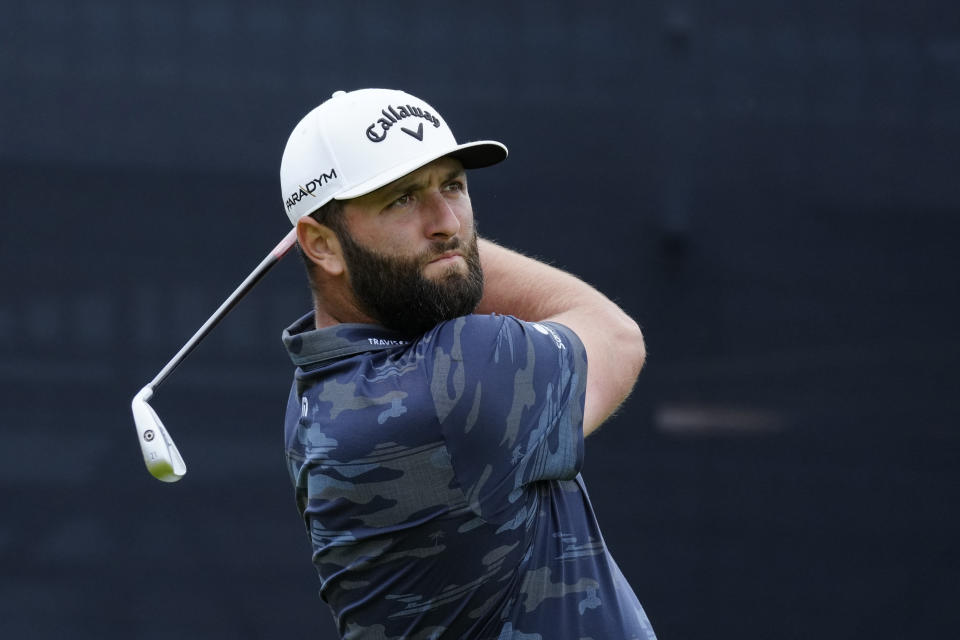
(286, 244)
(249, 282)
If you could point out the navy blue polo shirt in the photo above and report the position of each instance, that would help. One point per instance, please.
(439, 482)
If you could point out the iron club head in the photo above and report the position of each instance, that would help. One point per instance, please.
(159, 452)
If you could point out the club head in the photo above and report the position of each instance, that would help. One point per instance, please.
(159, 452)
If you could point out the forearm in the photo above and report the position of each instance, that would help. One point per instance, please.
(531, 290)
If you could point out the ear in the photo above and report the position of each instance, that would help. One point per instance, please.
(320, 244)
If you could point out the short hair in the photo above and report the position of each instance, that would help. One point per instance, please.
(329, 215)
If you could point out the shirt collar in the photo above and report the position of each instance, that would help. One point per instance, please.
(307, 345)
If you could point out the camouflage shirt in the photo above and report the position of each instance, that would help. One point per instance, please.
(438, 479)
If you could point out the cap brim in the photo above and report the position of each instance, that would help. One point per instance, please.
(473, 155)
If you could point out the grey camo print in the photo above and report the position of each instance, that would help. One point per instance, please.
(438, 479)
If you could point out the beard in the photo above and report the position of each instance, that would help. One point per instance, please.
(394, 291)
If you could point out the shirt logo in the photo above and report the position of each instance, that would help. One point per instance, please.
(377, 132)
(383, 342)
(547, 331)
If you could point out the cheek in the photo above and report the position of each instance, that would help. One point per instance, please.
(388, 237)
(395, 241)
(464, 213)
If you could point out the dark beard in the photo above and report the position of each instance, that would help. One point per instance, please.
(394, 292)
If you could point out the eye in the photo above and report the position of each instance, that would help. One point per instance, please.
(456, 185)
(400, 202)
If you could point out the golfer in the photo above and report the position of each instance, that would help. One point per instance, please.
(444, 387)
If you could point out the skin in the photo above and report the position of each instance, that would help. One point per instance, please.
(405, 218)
(431, 205)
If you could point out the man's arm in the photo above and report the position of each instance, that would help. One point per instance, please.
(530, 290)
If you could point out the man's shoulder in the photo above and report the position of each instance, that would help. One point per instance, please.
(472, 335)
(495, 328)
(494, 331)
(474, 325)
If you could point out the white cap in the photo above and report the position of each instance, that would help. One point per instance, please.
(357, 142)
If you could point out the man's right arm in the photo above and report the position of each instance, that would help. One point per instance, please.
(531, 290)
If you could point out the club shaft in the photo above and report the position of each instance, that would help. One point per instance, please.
(249, 283)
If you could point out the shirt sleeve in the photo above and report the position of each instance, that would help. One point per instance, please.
(509, 397)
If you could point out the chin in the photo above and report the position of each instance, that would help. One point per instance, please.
(439, 272)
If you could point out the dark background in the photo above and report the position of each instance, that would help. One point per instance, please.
(769, 187)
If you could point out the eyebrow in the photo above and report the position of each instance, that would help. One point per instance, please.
(403, 186)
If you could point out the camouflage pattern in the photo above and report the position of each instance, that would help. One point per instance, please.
(438, 479)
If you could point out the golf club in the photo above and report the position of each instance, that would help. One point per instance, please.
(160, 454)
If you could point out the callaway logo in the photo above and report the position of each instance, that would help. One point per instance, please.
(377, 132)
(308, 188)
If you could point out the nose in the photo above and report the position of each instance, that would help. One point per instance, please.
(440, 220)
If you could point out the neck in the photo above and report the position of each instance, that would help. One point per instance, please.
(333, 306)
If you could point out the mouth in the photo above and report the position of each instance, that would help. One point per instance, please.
(447, 258)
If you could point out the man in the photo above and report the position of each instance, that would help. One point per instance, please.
(435, 427)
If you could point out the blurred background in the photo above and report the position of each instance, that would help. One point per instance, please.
(769, 187)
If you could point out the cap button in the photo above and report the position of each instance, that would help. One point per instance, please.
(338, 93)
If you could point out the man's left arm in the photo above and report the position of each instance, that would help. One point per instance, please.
(534, 291)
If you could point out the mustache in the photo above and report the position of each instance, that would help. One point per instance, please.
(440, 247)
